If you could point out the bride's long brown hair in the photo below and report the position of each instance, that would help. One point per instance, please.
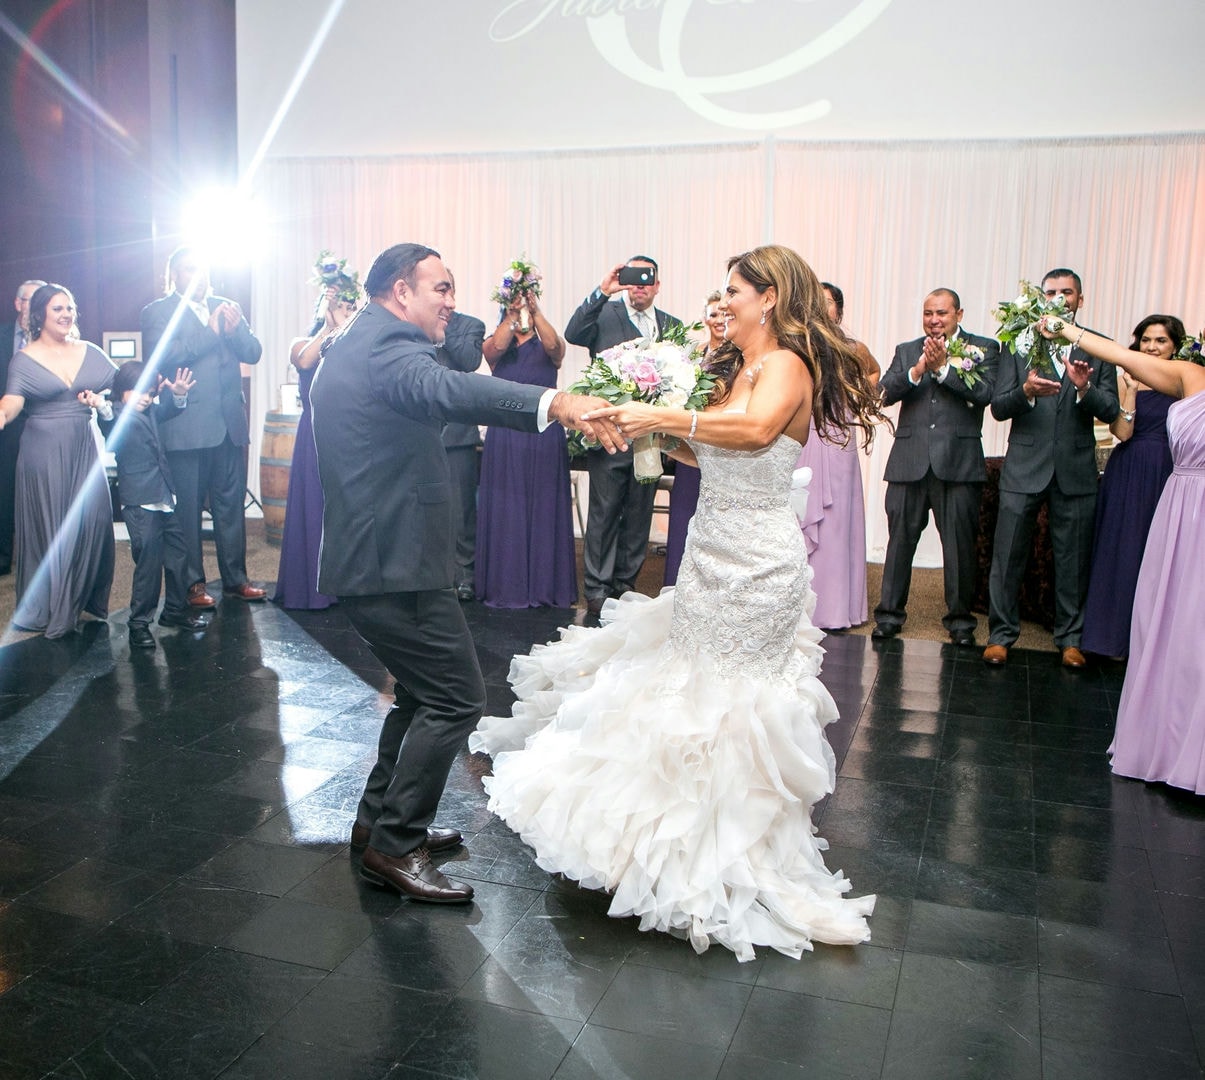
(843, 401)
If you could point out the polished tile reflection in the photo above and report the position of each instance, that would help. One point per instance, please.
(178, 900)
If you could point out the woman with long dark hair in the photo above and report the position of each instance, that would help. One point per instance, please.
(672, 755)
(64, 513)
(1138, 468)
(834, 527)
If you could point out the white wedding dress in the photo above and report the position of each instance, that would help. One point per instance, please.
(672, 755)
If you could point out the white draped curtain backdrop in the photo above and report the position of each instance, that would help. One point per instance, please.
(888, 222)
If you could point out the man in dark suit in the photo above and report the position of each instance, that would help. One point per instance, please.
(380, 401)
(936, 463)
(621, 508)
(206, 446)
(461, 351)
(1051, 459)
(14, 337)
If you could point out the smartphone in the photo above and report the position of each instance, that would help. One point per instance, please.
(637, 275)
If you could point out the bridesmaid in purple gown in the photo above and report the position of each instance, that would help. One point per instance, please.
(1160, 733)
(297, 577)
(684, 496)
(1138, 468)
(525, 552)
(834, 529)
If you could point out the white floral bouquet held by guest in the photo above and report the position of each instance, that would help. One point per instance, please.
(521, 280)
(668, 373)
(1018, 321)
(965, 360)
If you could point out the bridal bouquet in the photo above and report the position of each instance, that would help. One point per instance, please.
(965, 360)
(1191, 351)
(330, 271)
(667, 373)
(1018, 321)
(522, 279)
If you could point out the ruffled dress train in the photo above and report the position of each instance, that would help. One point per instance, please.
(672, 755)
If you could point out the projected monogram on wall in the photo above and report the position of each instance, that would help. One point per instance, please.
(606, 23)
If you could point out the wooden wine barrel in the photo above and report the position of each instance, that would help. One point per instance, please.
(275, 462)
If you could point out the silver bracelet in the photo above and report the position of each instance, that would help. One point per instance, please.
(694, 423)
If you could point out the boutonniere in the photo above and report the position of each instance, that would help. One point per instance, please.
(965, 360)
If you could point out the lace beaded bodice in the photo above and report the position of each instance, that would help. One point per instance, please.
(744, 584)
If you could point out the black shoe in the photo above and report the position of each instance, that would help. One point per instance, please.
(464, 593)
(962, 637)
(141, 637)
(185, 620)
(882, 631)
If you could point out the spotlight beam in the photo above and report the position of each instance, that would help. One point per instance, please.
(286, 102)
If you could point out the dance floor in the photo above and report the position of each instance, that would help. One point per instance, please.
(177, 898)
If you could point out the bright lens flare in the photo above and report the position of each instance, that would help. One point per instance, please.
(225, 227)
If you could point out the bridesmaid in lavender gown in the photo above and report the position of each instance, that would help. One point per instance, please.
(525, 552)
(1160, 733)
(684, 496)
(1138, 468)
(834, 527)
(64, 524)
(297, 577)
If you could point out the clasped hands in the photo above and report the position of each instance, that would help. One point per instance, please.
(584, 413)
(611, 426)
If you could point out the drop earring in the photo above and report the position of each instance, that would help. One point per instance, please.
(763, 319)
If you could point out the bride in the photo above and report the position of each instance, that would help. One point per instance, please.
(672, 755)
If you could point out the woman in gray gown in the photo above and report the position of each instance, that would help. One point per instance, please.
(64, 516)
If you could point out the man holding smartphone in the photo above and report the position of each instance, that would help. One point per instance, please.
(621, 508)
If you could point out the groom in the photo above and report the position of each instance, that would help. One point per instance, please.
(380, 401)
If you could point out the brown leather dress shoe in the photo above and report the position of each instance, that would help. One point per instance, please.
(438, 839)
(995, 655)
(413, 875)
(245, 591)
(1073, 658)
(198, 597)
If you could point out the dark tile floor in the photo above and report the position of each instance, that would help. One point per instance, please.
(177, 898)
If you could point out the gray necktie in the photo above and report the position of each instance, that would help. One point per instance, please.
(22, 339)
(646, 325)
